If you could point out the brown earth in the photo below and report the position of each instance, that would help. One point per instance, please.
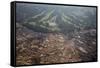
(46, 48)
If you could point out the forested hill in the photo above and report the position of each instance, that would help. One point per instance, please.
(63, 19)
(47, 34)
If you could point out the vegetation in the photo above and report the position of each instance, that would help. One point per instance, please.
(47, 34)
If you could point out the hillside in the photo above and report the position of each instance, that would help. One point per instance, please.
(55, 35)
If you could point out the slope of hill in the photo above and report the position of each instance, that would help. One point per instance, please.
(55, 35)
